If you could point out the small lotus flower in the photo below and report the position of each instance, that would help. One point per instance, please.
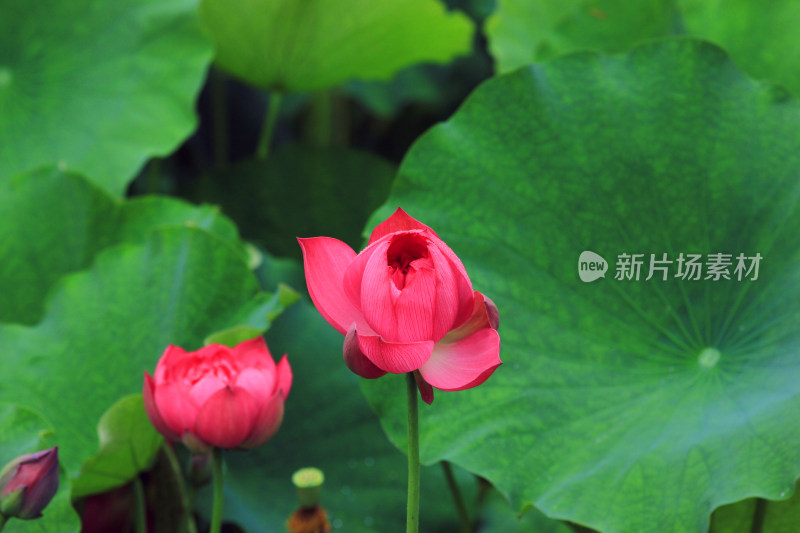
(218, 396)
(28, 483)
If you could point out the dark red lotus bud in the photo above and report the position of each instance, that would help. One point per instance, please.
(28, 483)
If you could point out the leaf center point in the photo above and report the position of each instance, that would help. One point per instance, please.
(709, 357)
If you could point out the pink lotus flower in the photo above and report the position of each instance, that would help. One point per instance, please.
(218, 396)
(404, 304)
(28, 483)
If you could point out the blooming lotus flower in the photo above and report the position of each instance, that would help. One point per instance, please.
(28, 483)
(404, 304)
(218, 396)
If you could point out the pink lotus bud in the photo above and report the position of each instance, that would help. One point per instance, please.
(218, 396)
(28, 483)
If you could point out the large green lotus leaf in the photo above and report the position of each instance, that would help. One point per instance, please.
(329, 425)
(297, 45)
(54, 223)
(527, 31)
(301, 191)
(625, 405)
(104, 326)
(24, 431)
(97, 87)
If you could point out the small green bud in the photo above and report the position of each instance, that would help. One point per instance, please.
(309, 485)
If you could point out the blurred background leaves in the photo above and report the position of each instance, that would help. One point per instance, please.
(97, 87)
(291, 46)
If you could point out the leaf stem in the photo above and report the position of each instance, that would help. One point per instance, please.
(216, 513)
(140, 516)
(320, 119)
(273, 108)
(219, 110)
(759, 514)
(412, 509)
(463, 515)
(153, 173)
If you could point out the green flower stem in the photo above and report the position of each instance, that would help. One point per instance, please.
(265, 141)
(2, 522)
(412, 510)
(140, 514)
(187, 498)
(463, 516)
(216, 513)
